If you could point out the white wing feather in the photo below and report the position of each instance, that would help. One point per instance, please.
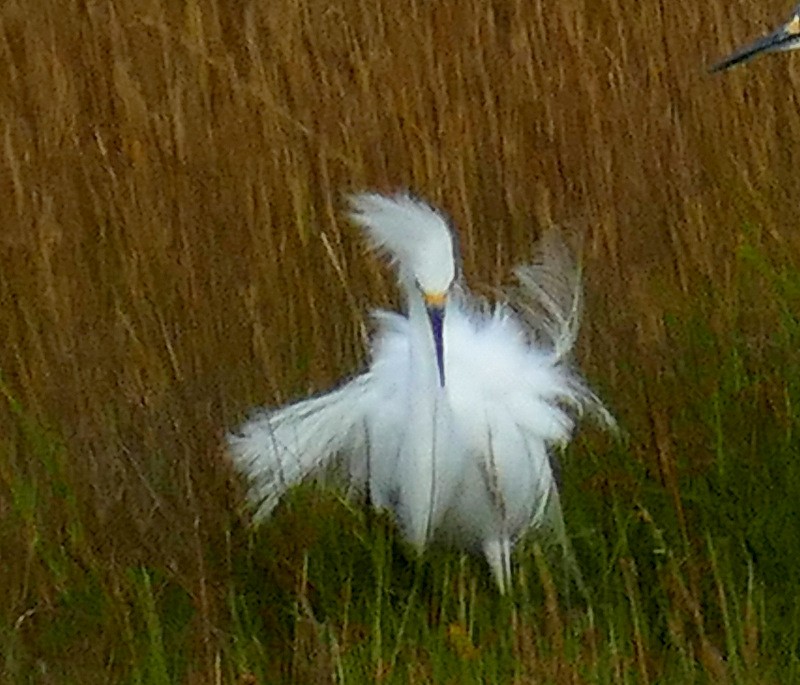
(278, 449)
(549, 298)
(549, 301)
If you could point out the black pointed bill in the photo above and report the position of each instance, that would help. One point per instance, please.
(786, 37)
(435, 303)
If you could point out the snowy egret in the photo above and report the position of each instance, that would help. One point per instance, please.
(451, 427)
(785, 37)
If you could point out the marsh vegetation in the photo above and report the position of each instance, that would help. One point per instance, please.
(172, 252)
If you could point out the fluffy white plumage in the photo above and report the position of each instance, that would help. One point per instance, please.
(457, 450)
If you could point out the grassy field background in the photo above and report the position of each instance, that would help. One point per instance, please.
(172, 252)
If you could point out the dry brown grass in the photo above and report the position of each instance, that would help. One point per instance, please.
(172, 249)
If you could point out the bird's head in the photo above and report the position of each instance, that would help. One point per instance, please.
(420, 244)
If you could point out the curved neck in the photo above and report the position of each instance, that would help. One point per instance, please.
(424, 365)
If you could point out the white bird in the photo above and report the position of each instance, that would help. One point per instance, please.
(451, 425)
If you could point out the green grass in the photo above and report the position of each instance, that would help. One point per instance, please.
(698, 589)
